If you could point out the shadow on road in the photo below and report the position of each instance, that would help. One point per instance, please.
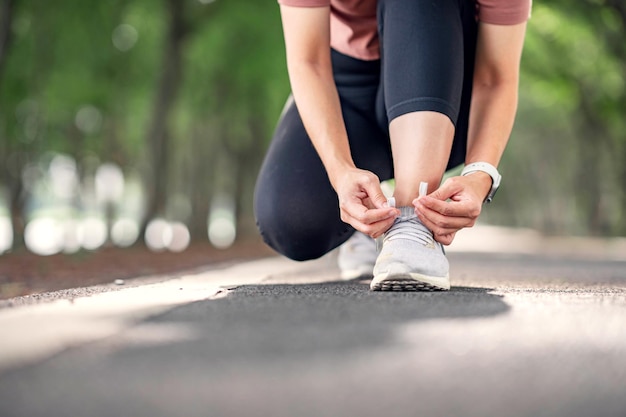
(259, 342)
(281, 321)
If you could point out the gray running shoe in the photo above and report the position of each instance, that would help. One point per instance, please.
(357, 257)
(410, 259)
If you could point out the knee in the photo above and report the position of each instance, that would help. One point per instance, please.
(296, 234)
(292, 239)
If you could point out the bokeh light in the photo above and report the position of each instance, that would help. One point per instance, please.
(92, 233)
(71, 238)
(109, 183)
(44, 236)
(63, 176)
(124, 37)
(6, 234)
(88, 119)
(221, 228)
(124, 232)
(163, 235)
(180, 237)
(158, 234)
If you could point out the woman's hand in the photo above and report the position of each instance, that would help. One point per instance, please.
(362, 202)
(453, 206)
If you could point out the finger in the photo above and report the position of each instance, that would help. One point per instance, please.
(445, 239)
(373, 229)
(442, 224)
(443, 236)
(377, 229)
(463, 208)
(448, 189)
(372, 216)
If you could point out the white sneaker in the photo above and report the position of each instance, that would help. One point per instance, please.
(357, 257)
(410, 259)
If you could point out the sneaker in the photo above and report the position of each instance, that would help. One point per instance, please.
(357, 257)
(410, 259)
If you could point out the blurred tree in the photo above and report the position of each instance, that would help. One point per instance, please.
(187, 92)
(6, 20)
(234, 88)
(565, 164)
(158, 135)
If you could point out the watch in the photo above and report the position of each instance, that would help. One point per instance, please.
(488, 169)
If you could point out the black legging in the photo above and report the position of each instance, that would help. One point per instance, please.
(427, 59)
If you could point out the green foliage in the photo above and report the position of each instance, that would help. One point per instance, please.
(564, 165)
(69, 85)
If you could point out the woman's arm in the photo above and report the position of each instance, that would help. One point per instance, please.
(494, 92)
(307, 42)
(494, 104)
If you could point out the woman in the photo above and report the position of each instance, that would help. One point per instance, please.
(384, 89)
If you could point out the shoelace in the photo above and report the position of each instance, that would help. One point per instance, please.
(410, 228)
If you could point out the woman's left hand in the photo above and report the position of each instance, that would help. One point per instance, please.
(453, 206)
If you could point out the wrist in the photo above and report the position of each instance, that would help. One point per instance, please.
(488, 173)
(482, 181)
(336, 169)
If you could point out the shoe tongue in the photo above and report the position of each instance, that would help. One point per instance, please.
(407, 212)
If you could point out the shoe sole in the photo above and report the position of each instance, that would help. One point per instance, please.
(355, 274)
(409, 282)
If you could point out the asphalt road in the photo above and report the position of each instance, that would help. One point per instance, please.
(517, 335)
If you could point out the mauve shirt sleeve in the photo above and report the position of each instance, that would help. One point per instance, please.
(504, 12)
(305, 3)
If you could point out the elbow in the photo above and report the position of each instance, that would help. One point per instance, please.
(309, 66)
(496, 78)
(496, 85)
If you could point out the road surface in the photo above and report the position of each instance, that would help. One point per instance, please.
(519, 334)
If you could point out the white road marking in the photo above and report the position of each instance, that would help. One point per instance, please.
(34, 332)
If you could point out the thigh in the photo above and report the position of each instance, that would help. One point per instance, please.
(358, 85)
(427, 51)
(296, 208)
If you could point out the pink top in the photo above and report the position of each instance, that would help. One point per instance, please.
(354, 30)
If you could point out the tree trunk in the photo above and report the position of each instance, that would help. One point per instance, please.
(11, 179)
(158, 138)
(248, 164)
(6, 21)
(201, 181)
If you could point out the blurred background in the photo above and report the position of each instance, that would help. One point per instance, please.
(132, 122)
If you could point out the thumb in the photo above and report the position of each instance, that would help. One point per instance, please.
(447, 190)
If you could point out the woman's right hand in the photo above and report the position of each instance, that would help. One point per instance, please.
(362, 202)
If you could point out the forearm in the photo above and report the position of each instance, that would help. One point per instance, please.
(318, 104)
(494, 91)
(307, 43)
(491, 120)
(362, 203)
